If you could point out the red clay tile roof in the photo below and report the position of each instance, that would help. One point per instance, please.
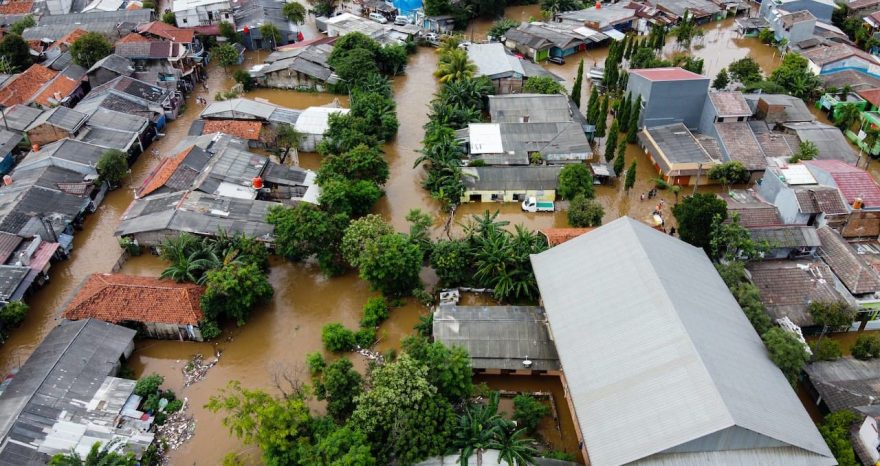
(820, 199)
(849, 267)
(59, 88)
(16, 7)
(557, 236)
(118, 298)
(852, 182)
(8, 244)
(132, 37)
(21, 88)
(730, 104)
(871, 95)
(786, 287)
(133, 6)
(167, 31)
(70, 38)
(163, 173)
(667, 74)
(249, 130)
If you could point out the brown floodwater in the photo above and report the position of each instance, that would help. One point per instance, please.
(280, 334)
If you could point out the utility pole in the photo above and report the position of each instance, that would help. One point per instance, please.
(699, 172)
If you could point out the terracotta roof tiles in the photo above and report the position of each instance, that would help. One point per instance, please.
(118, 298)
(871, 95)
(59, 88)
(163, 173)
(249, 130)
(167, 31)
(70, 38)
(132, 37)
(820, 199)
(853, 182)
(16, 7)
(21, 88)
(858, 277)
(556, 236)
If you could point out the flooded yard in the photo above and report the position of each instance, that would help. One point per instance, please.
(280, 334)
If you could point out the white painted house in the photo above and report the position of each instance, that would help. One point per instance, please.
(191, 13)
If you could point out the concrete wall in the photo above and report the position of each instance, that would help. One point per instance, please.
(507, 196)
(219, 12)
(867, 436)
(667, 102)
(509, 85)
(171, 332)
(856, 63)
(286, 79)
(45, 134)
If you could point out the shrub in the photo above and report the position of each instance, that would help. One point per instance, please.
(527, 411)
(244, 78)
(210, 330)
(375, 312)
(583, 212)
(365, 337)
(13, 313)
(174, 406)
(558, 455)
(826, 350)
(316, 363)
(148, 385)
(112, 166)
(337, 338)
(866, 347)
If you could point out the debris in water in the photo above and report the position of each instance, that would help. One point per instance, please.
(371, 355)
(196, 369)
(178, 428)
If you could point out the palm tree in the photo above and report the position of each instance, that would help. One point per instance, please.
(481, 225)
(847, 114)
(466, 92)
(478, 429)
(192, 268)
(514, 447)
(872, 136)
(270, 31)
(455, 65)
(294, 12)
(97, 457)
(181, 245)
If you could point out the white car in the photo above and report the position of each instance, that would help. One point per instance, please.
(377, 17)
(401, 20)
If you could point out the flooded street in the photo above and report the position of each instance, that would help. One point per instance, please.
(280, 334)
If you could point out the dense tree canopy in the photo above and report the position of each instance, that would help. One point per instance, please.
(306, 230)
(15, 51)
(787, 352)
(233, 291)
(90, 48)
(695, 215)
(391, 264)
(575, 179)
(112, 166)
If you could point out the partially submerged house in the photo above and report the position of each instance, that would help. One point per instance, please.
(846, 383)
(111, 24)
(821, 9)
(164, 102)
(507, 72)
(54, 125)
(662, 293)
(154, 307)
(249, 15)
(619, 16)
(191, 13)
(66, 397)
(499, 339)
(303, 68)
(832, 144)
(669, 95)
(779, 108)
(677, 154)
(859, 278)
(787, 241)
(510, 184)
(828, 58)
(540, 41)
(313, 122)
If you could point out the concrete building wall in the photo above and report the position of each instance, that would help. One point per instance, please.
(171, 332)
(820, 10)
(668, 102)
(286, 79)
(45, 134)
(510, 85)
(507, 196)
(205, 15)
(856, 63)
(869, 438)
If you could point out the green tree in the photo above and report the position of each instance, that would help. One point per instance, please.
(583, 212)
(593, 106)
(375, 312)
(826, 350)
(807, 150)
(832, 315)
(749, 299)
(500, 27)
(787, 352)
(630, 180)
(306, 230)
(611, 142)
(90, 48)
(695, 216)
(359, 233)
(722, 79)
(449, 369)
(378, 113)
(561, 6)
(438, 7)
(392, 59)
(449, 259)
(686, 31)
(12, 314)
(731, 241)
(501, 259)
(351, 198)
(226, 55)
(360, 163)
(339, 385)
(233, 291)
(191, 266)
(478, 428)
(419, 230)
(528, 412)
(244, 78)
(168, 17)
(19, 26)
(402, 414)
(634, 115)
(112, 167)
(286, 136)
(602, 118)
(575, 179)
(294, 12)
(542, 85)
(514, 447)
(148, 385)
(578, 84)
(455, 65)
(728, 173)
(623, 114)
(835, 430)
(866, 347)
(391, 264)
(228, 31)
(845, 115)
(15, 51)
(97, 457)
(620, 160)
(337, 338)
(795, 76)
(270, 32)
(323, 7)
(745, 70)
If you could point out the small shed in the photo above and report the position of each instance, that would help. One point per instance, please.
(312, 123)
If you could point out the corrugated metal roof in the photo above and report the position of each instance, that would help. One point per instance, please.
(539, 108)
(315, 120)
(511, 178)
(649, 335)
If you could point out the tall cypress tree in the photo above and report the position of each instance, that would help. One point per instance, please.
(634, 120)
(602, 119)
(578, 83)
(630, 176)
(611, 142)
(593, 106)
(623, 116)
(620, 160)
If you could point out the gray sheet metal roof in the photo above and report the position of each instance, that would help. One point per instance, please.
(115, 63)
(238, 109)
(649, 335)
(103, 22)
(511, 178)
(61, 117)
(19, 117)
(56, 382)
(678, 144)
(828, 139)
(493, 60)
(11, 277)
(498, 337)
(847, 382)
(8, 141)
(787, 236)
(539, 108)
(111, 119)
(108, 138)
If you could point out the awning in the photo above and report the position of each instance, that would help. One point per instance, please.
(614, 34)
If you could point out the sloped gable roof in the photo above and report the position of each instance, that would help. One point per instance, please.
(645, 329)
(858, 277)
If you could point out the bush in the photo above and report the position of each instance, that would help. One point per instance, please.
(826, 350)
(244, 78)
(866, 347)
(375, 312)
(174, 406)
(835, 430)
(583, 212)
(315, 362)
(112, 166)
(148, 385)
(365, 337)
(13, 313)
(210, 330)
(337, 338)
(558, 455)
(527, 412)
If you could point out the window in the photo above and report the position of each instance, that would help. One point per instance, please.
(185, 21)
(497, 197)
(519, 197)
